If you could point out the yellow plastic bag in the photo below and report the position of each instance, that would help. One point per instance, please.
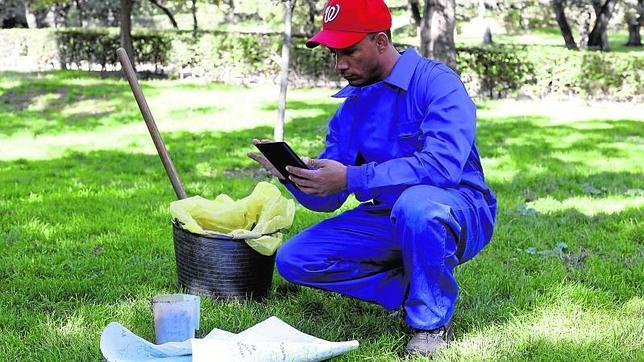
(264, 211)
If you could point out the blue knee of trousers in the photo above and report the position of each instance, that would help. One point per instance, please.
(469, 217)
(421, 209)
(294, 262)
(416, 207)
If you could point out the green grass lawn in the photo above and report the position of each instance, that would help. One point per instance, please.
(86, 238)
(550, 37)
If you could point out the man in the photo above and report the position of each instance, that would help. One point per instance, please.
(403, 143)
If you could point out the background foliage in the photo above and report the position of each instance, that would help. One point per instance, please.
(496, 71)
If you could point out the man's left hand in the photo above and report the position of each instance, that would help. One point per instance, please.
(326, 177)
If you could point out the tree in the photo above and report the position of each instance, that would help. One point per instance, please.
(597, 38)
(231, 11)
(193, 10)
(584, 28)
(603, 11)
(437, 31)
(634, 19)
(278, 133)
(37, 16)
(79, 8)
(414, 9)
(104, 13)
(126, 29)
(487, 33)
(13, 14)
(166, 11)
(560, 14)
(309, 21)
(522, 6)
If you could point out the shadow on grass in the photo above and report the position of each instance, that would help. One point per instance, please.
(51, 103)
(56, 102)
(554, 159)
(527, 136)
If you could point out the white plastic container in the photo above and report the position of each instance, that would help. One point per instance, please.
(176, 317)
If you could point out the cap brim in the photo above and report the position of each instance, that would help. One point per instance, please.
(335, 39)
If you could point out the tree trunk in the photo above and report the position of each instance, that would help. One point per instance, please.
(485, 26)
(309, 24)
(278, 133)
(525, 18)
(598, 37)
(166, 11)
(584, 28)
(79, 8)
(437, 31)
(60, 14)
(414, 9)
(425, 33)
(195, 26)
(487, 36)
(126, 29)
(635, 18)
(634, 38)
(40, 16)
(30, 16)
(230, 17)
(560, 14)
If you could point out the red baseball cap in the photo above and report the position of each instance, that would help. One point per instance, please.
(346, 22)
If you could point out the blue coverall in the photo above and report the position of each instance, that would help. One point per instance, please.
(408, 142)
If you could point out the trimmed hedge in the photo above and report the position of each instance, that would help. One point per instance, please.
(217, 55)
(589, 74)
(538, 71)
(78, 46)
(497, 71)
(494, 72)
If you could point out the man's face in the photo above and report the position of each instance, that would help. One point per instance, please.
(359, 64)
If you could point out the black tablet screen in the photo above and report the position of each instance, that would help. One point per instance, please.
(280, 155)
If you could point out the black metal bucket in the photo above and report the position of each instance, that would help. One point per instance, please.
(221, 268)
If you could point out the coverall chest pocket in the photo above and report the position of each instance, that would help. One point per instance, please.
(409, 137)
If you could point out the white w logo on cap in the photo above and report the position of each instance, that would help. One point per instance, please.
(331, 12)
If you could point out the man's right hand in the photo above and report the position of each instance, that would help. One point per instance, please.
(263, 161)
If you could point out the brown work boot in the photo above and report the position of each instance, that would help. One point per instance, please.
(427, 343)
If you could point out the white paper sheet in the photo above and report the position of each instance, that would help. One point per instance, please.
(270, 340)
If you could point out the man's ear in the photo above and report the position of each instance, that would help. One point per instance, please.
(382, 42)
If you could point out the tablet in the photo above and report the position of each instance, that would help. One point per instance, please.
(280, 155)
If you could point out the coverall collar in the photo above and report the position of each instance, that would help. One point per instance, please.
(400, 75)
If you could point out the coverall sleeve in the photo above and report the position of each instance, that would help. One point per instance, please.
(332, 151)
(447, 131)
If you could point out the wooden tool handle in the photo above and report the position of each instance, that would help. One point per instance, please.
(149, 121)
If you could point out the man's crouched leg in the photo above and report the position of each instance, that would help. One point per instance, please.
(403, 258)
(355, 253)
(426, 225)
